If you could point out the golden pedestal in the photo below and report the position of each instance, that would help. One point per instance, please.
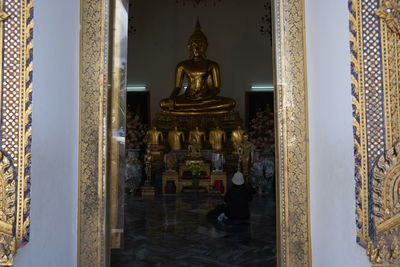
(218, 176)
(169, 175)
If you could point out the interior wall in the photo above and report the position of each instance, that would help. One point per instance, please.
(332, 188)
(232, 27)
(54, 190)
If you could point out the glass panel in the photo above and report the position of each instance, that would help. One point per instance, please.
(117, 118)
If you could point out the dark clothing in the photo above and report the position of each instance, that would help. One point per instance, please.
(237, 200)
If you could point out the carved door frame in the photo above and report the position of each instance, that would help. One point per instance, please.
(291, 127)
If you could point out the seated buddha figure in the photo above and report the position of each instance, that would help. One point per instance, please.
(203, 79)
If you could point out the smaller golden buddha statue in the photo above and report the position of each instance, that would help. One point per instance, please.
(197, 137)
(154, 137)
(194, 148)
(246, 155)
(237, 138)
(170, 163)
(175, 139)
(147, 161)
(216, 138)
(200, 96)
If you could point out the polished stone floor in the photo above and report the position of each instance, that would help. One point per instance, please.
(174, 231)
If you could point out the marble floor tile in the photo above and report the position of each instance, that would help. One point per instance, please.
(174, 231)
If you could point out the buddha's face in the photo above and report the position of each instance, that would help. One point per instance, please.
(197, 48)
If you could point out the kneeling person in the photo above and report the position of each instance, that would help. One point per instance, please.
(237, 199)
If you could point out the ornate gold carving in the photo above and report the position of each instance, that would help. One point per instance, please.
(8, 205)
(92, 131)
(3, 15)
(25, 125)
(386, 208)
(386, 249)
(377, 174)
(359, 123)
(390, 13)
(15, 171)
(294, 247)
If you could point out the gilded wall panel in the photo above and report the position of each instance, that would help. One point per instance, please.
(92, 130)
(294, 247)
(374, 43)
(16, 23)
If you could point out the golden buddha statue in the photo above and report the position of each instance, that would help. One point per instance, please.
(246, 155)
(194, 148)
(204, 83)
(217, 138)
(175, 137)
(197, 137)
(170, 163)
(154, 137)
(237, 138)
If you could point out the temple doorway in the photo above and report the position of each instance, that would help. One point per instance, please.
(168, 226)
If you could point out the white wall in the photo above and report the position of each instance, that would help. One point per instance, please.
(332, 189)
(54, 189)
(232, 27)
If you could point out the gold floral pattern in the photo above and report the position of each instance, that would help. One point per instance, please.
(92, 128)
(8, 204)
(292, 134)
(390, 13)
(375, 53)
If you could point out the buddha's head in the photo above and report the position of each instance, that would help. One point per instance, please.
(197, 43)
(245, 137)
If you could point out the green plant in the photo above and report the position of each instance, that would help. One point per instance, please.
(195, 167)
